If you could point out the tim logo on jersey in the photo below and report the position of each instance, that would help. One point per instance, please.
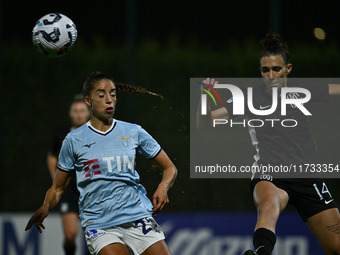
(119, 164)
(296, 97)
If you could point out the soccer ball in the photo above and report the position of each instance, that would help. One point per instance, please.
(54, 35)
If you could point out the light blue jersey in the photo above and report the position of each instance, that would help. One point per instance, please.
(110, 193)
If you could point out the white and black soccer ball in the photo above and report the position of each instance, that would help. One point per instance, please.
(54, 34)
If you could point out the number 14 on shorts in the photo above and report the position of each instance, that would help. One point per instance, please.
(323, 193)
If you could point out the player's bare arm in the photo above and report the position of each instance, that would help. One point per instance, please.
(205, 122)
(52, 161)
(334, 89)
(160, 197)
(52, 198)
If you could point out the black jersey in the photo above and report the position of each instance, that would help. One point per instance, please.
(58, 141)
(69, 200)
(278, 144)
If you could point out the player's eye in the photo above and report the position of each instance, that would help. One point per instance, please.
(277, 68)
(113, 94)
(101, 95)
(265, 69)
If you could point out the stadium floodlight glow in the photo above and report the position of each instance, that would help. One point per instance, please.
(319, 33)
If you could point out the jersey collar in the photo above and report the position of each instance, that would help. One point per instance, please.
(99, 131)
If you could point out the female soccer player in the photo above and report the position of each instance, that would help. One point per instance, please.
(79, 114)
(279, 145)
(114, 210)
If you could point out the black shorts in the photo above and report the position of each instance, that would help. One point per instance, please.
(69, 201)
(309, 196)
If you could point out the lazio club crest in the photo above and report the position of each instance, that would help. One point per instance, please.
(124, 139)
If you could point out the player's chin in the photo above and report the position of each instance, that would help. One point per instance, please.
(105, 116)
(273, 85)
(109, 113)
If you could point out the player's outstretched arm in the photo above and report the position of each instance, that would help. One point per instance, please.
(160, 197)
(53, 196)
(334, 89)
(205, 122)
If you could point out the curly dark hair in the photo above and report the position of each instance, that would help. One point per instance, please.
(272, 45)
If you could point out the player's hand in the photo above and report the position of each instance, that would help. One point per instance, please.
(37, 219)
(208, 82)
(160, 199)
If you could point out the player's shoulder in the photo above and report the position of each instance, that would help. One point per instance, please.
(128, 129)
(78, 132)
(125, 124)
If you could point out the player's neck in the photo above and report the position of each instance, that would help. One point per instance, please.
(100, 124)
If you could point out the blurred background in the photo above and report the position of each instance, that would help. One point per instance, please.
(159, 46)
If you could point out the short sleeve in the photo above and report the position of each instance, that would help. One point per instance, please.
(66, 160)
(319, 92)
(57, 142)
(54, 149)
(318, 88)
(147, 145)
(229, 105)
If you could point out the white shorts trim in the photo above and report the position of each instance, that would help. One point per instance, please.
(136, 236)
